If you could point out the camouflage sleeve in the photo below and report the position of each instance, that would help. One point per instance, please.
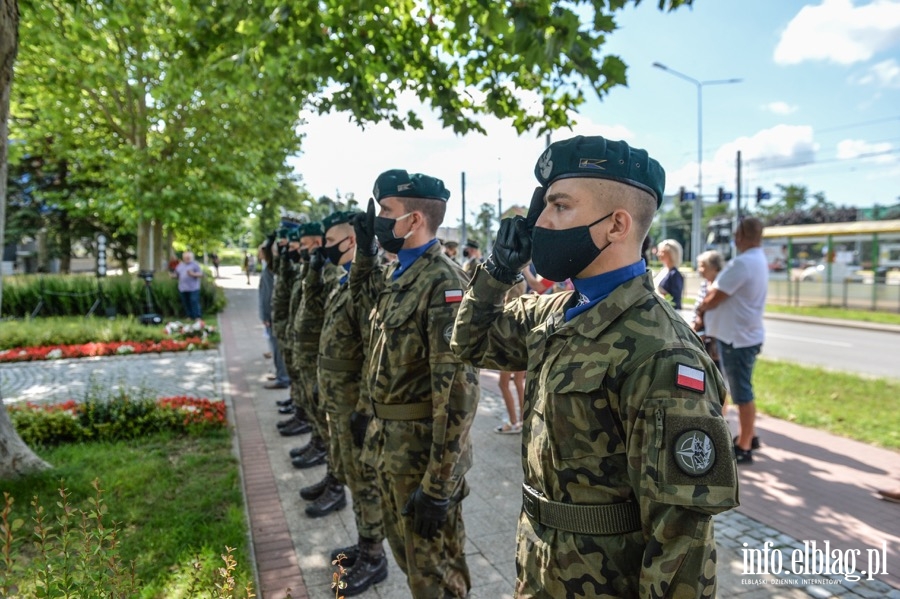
(455, 395)
(314, 292)
(680, 466)
(281, 294)
(366, 281)
(489, 334)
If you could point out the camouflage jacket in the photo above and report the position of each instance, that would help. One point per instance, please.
(607, 420)
(341, 356)
(310, 311)
(295, 297)
(410, 362)
(281, 295)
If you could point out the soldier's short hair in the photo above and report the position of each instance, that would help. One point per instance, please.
(434, 212)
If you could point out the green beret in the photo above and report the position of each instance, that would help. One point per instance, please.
(600, 158)
(307, 229)
(293, 234)
(399, 183)
(338, 218)
(283, 233)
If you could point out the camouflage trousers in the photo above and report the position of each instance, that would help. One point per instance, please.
(434, 569)
(306, 365)
(348, 467)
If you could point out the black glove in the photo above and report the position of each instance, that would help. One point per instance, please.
(270, 240)
(282, 249)
(317, 259)
(512, 250)
(359, 422)
(429, 514)
(364, 227)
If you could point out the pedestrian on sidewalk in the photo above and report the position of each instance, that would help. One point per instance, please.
(709, 265)
(733, 313)
(625, 451)
(189, 273)
(671, 282)
(266, 288)
(424, 398)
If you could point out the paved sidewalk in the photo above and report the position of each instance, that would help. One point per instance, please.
(804, 486)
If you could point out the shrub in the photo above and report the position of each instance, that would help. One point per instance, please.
(118, 417)
(74, 295)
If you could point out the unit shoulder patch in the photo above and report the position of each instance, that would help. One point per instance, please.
(695, 452)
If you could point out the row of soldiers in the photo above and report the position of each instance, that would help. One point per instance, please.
(625, 453)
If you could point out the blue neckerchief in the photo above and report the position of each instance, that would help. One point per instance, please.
(407, 257)
(595, 289)
(346, 276)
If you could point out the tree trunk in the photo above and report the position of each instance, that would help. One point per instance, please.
(16, 458)
(9, 42)
(145, 244)
(159, 258)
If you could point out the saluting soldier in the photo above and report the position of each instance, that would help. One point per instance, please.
(320, 278)
(625, 452)
(424, 398)
(341, 367)
(297, 424)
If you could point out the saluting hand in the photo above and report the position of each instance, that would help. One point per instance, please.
(512, 250)
(317, 259)
(364, 227)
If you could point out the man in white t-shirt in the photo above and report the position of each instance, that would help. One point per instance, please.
(732, 312)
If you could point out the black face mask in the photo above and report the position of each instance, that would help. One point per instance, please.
(384, 231)
(304, 255)
(465, 253)
(334, 252)
(562, 254)
(282, 249)
(293, 256)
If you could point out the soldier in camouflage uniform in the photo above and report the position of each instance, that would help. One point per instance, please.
(293, 276)
(625, 452)
(424, 398)
(341, 367)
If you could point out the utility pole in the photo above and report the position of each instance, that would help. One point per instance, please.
(463, 236)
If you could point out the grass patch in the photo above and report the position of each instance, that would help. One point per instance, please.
(77, 330)
(864, 409)
(838, 313)
(176, 500)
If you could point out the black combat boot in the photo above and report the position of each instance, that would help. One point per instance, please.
(288, 409)
(371, 567)
(299, 414)
(284, 403)
(315, 455)
(296, 452)
(314, 491)
(297, 426)
(332, 499)
(351, 553)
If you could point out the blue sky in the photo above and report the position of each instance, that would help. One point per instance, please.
(818, 105)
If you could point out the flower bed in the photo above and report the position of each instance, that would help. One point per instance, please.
(55, 352)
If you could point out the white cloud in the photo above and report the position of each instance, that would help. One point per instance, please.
(782, 108)
(876, 153)
(782, 145)
(883, 74)
(839, 32)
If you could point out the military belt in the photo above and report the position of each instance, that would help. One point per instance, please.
(402, 411)
(610, 519)
(338, 365)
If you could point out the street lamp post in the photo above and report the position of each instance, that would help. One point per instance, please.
(697, 217)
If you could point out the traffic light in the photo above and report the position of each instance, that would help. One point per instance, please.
(721, 194)
(762, 195)
(681, 194)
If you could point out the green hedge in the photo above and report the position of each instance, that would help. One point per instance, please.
(73, 295)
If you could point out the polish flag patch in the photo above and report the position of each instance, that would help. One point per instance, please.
(453, 296)
(690, 378)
